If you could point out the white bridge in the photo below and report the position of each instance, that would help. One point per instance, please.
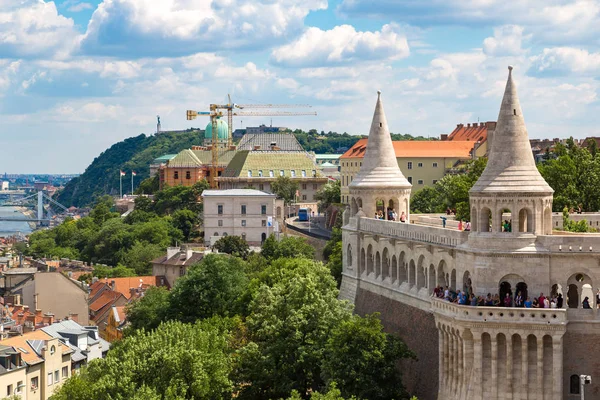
(42, 216)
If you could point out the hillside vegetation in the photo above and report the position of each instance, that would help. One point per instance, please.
(136, 153)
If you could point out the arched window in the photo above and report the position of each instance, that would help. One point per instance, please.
(385, 272)
(377, 265)
(574, 384)
(349, 256)
(362, 261)
(485, 220)
(525, 220)
(370, 260)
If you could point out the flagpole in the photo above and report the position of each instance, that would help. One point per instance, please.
(132, 183)
(120, 184)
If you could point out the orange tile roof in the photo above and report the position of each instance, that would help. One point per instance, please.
(417, 148)
(122, 285)
(476, 132)
(105, 298)
(29, 355)
(95, 287)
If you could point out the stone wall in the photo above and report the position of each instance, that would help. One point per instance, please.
(417, 329)
(581, 356)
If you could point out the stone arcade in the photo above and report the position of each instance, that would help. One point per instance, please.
(476, 352)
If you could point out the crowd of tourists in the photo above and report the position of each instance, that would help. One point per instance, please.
(390, 215)
(519, 300)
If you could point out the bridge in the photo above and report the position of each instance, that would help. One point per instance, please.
(42, 216)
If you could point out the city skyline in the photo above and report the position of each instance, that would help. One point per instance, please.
(77, 76)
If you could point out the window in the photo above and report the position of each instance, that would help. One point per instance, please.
(261, 186)
(409, 165)
(224, 234)
(243, 222)
(271, 173)
(281, 172)
(304, 186)
(220, 209)
(420, 181)
(216, 234)
(315, 185)
(49, 379)
(35, 382)
(293, 173)
(176, 175)
(574, 384)
(9, 390)
(243, 209)
(263, 222)
(220, 222)
(434, 165)
(304, 173)
(260, 173)
(52, 349)
(65, 370)
(314, 172)
(263, 209)
(420, 165)
(409, 179)
(56, 376)
(188, 175)
(181, 273)
(434, 181)
(249, 174)
(303, 197)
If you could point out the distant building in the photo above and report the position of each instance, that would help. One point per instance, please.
(117, 321)
(478, 133)
(422, 162)
(4, 185)
(175, 263)
(270, 141)
(327, 158)
(265, 129)
(159, 162)
(242, 212)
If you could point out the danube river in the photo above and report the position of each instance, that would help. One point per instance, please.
(11, 228)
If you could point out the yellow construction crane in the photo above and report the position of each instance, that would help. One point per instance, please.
(216, 113)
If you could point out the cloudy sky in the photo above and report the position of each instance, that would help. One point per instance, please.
(79, 75)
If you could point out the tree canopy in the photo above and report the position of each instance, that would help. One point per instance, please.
(285, 188)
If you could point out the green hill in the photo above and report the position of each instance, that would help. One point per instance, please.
(136, 153)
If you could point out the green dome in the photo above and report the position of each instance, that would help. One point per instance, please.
(222, 130)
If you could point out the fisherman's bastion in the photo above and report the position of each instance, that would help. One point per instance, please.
(476, 352)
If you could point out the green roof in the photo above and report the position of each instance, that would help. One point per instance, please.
(185, 158)
(267, 164)
(327, 156)
(165, 158)
(222, 130)
(198, 158)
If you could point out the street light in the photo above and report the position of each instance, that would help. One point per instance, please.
(584, 380)
(18, 389)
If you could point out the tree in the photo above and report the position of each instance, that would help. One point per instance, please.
(186, 221)
(101, 211)
(150, 310)
(291, 315)
(334, 263)
(175, 361)
(234, 245)
(285, 188)
(288, 247)
(328, 195)
(212, 287)
(361, 359)
(149, 185)
(140, 255)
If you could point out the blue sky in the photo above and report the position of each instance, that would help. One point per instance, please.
(79, 75)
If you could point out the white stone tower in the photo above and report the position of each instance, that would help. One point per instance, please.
(511, 187)
(379, 179)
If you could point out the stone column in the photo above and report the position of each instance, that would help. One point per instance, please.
(457, 365)
(461, 366)
(540, 367)
(509, 368)
(452, 360)
(524, 367)
(477, 386)
(441, 352)
(557, 367)
(494, 360)
(446, 361)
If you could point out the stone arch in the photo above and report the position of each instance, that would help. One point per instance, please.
(379, 207)
(411, 273)
(441, 274)
(349, 255)
(263, 237)
(402, 273)
(431, 278)
(385, 271)
(467, 283)
(576, 293)
(353, 206)
(574, 384)
(377, 265)
(359, 203)
(394, 269)
(362, 261)
(503, 222)
(526, 220)
(370, 259)
(453, 280)
(547, 221)
(521, 288)
(420, 273)
(504, 289)
(484, 222)
(278, 212)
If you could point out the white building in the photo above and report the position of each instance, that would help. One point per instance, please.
(242, 212)
(3, 185)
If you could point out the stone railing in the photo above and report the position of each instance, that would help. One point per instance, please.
(571, 243)
(414, 232)
(546, 316)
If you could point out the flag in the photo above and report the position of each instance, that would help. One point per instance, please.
(122, 173)
(133, 173)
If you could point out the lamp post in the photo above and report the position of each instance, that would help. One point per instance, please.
(584, 380)
(18, 388)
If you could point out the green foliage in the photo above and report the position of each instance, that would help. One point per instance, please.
(328, 195)
(287, 247)
(119, 271)
(361, 359)
(574, 226)
(186, 221)
(149, 185)
(174, 198)
(333, 394)
(334, 263)
(285, 188)
(176, 361)
(212, 287)
(291, 316)
(102, 175)
(140, 255)
(150, 310)
(234, 245)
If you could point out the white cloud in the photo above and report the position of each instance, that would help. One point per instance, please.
(565, 60)
(132, 28)
(87, 112)
(507, 41)
(341, 45)
(104, 68)
(75, 8)
(34, 28)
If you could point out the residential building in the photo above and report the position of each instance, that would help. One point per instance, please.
(54, 293)
(242, 212)
(175, 263)
(117, 321)
(47, 364)
(423, 163)
(477, 133)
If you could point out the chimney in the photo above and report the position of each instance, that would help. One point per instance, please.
(132, 292)
(113, 285)
(475, 124)
(38, 312)
(74, 317)
(232, 147)
(444, 136)
(94, 279)
(468, 125)
(26, 308)
(482, 124)
(17, 308)
(256, 148)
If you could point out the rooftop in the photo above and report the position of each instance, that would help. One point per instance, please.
(475, 132)
(269, 164)
(236, 192)
(417, 148)
(283, 141)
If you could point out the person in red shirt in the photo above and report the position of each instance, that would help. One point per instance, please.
(541, 300)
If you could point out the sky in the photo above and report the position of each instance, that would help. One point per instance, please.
(77, 76)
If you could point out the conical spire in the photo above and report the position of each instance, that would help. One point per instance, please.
(511, 167)
(379, 167)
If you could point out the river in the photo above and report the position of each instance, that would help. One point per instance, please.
(10, 228)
